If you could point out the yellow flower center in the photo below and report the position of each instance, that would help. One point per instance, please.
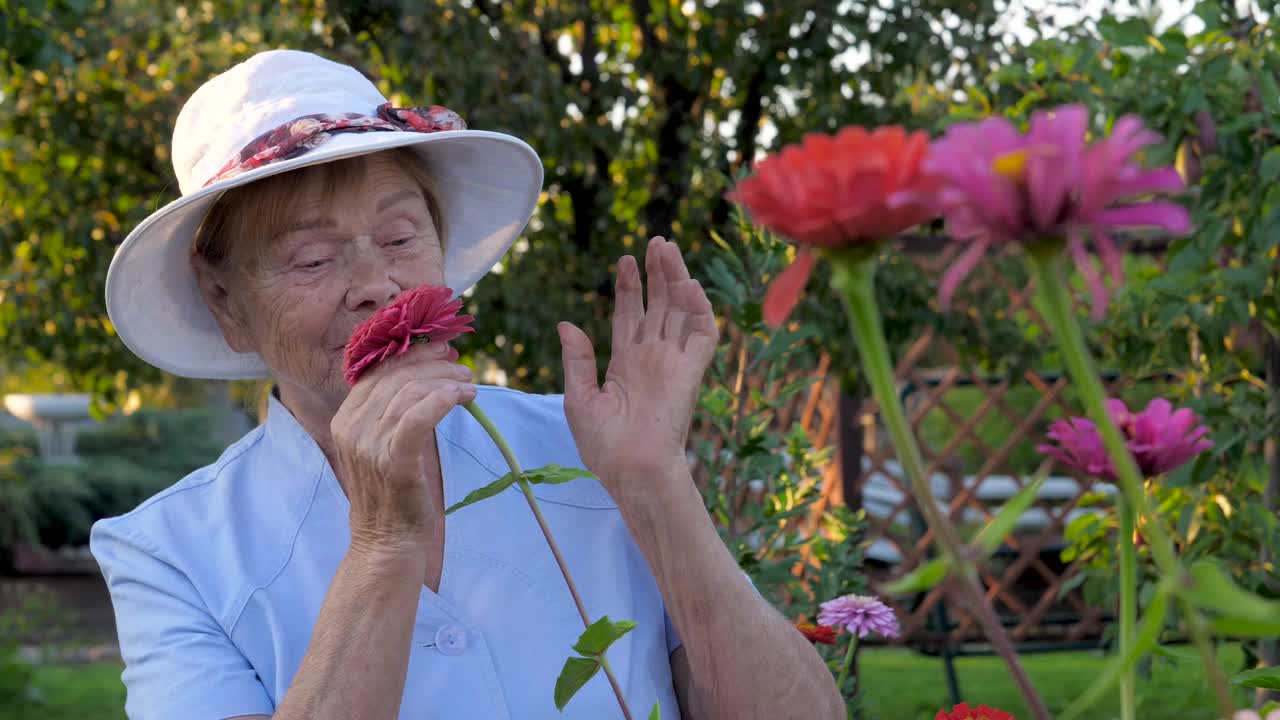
(1012, 165)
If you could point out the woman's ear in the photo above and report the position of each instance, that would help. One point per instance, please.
(213, 282)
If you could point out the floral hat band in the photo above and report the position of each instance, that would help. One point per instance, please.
(302, 134)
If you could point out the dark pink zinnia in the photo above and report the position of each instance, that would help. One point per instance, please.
(1160, 438)
(1002, 186)
(426, 310)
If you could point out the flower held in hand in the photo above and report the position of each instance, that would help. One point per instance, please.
(857, 186)
(423, 311)
(859, 614)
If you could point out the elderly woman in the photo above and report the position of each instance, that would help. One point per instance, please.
(311, 572)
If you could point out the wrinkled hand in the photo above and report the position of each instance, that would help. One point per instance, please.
(382, 434)
(637, 422)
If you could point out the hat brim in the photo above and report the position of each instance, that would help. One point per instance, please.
(487, 185)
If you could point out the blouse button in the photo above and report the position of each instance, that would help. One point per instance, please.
(451, 639)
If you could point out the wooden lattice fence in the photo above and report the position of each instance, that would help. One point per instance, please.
(1031, 587)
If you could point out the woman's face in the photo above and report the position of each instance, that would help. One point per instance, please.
(335, 264)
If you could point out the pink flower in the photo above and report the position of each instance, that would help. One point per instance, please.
(423, 311)
(1253, 715)
(859, 614)
(1160, 438)
(1001, 186)
(857, 186)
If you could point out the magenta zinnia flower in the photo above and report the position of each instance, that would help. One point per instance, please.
(423, 311)
(1160, 438)
(1002, 186)
(859, 614)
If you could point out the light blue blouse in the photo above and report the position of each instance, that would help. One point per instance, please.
(217, 581)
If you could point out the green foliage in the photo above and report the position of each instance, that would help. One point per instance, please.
(576, 672)
(761, 482)
(601, 634)
(485, 492)
(641, 111)
(124, 461)
(594, 642)
(548, 475)
(1268, 678)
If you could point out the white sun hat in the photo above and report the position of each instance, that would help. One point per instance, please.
(279, 111)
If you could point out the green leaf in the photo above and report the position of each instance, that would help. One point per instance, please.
(920, 579)
(656, 713)
(1212, 589)
(1271, 165)
(484, 493)
(1267, 678)
(555, 475)
(1125, 33)
(576, 672)
(1148, 637)
(598, 636)
(990, 537)
(1236, 628)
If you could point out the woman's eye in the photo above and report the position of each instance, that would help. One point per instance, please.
(312, 264)
(401, 242)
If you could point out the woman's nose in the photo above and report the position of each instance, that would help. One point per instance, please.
(370, 285)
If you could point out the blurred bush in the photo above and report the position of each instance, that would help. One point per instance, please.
(123, 461)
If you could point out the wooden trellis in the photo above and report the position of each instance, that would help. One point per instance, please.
(1026, 578)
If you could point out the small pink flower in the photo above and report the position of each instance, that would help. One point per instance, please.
(859, 614)
(426, 310)
(1253, 715)
(1002, 186)
(1160, 438)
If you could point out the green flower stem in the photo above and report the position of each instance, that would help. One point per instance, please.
(848, 661)
(854, 276)
(1128, 608)
(1046, 261)
(510, 456)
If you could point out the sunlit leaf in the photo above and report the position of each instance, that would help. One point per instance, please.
(990, 537)
(923, 577)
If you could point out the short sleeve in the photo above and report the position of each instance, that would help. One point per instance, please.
(673, 638)
(179, 661)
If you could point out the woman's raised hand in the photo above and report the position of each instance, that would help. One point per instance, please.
(382, 434)
(637, 422)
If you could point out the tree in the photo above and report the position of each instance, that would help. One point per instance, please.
(641, 111)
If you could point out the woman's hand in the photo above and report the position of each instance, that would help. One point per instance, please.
(636, 423)
(382, 434)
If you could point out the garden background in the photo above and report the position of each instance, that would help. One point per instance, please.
(644, 112)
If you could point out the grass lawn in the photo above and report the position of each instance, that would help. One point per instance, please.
(900, 685)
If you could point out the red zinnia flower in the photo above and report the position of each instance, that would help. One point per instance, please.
(817, 633)
(425, 310)
(964, 712)
(831, 191)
